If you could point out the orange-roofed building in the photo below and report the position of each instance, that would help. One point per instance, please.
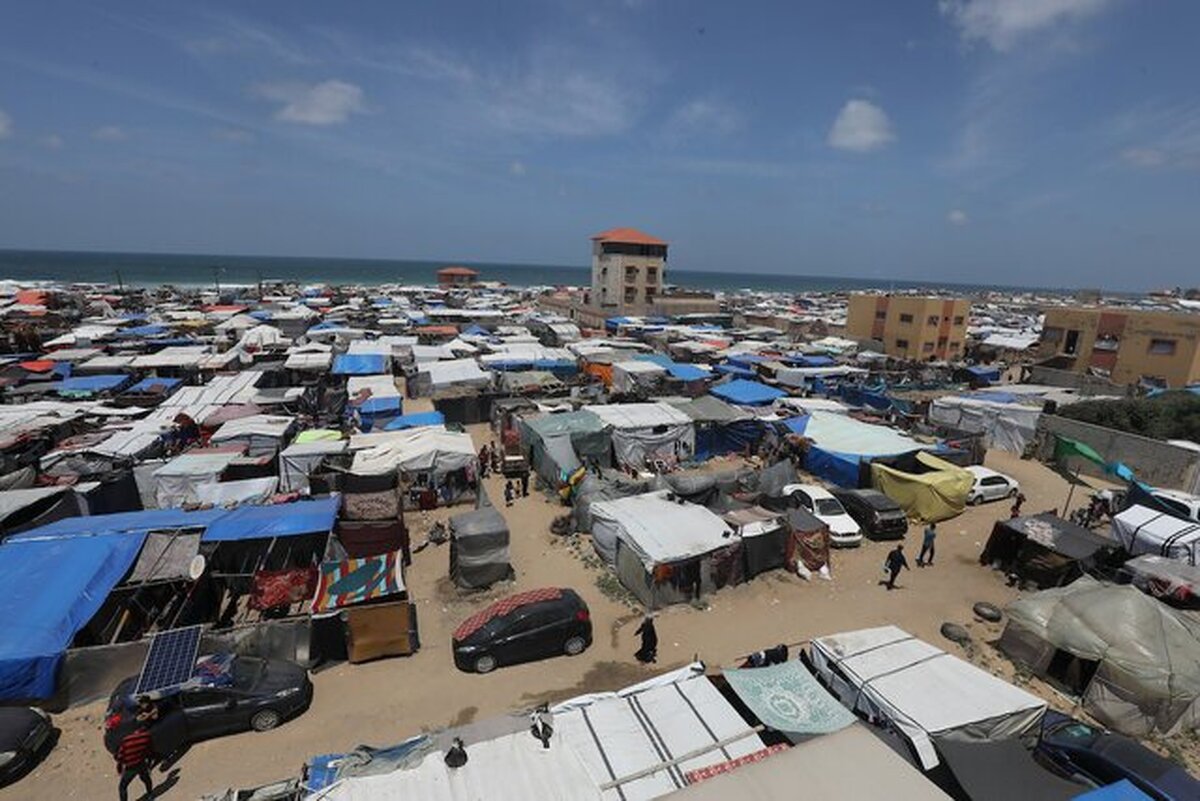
(457, 276)
(628, 268)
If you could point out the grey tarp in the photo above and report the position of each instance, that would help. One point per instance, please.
(166, 556)
(479, 548)
(571, 437)
(1146, 655)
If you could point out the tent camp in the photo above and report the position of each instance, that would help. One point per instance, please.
(434, 377)
(298, 460)
(479, 548)
(840, 444)
(431, 459)
(1143, 530)
(664, 551)
(1133, 661)
(646, 431)
(920, 690)
(741, 392)
(1005, 426)
(557, 445)
(935, 490)
(1044, 549)
(720, 428)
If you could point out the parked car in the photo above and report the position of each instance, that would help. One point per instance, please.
(879, 516)
(248, 694)
(521, 628)
(990, 485)
(1078, 750)
(1181, 504)
(843, 531)
(26, 736)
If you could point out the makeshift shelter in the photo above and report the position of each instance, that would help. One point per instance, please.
(839, 444)
(1004, 426)
(360, 364)
(434, 377)
(938, 493)
(176, 481)
(374, 399)
(479, 549)
(298, 460)
(258, 435)
(348, 582)
(720, 428)
(764, 538)
(665, 551)
(416, 420)
(22, 509)
(557, 445)
(1142, 530)
(741, 392)
(440, 466)
(643, 432)
(635, 375)
(1133, 661)
(920, 690)
(1044, 549)
(1170, 581)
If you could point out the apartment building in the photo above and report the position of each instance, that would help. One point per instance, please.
(628, 268)
(911, 327)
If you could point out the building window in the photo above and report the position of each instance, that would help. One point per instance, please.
(958, 320)
(932, 320)
(906, 318)
(1052, 335)
(1162, 347)
(652, 275)
(630, 294)
(954, 345)
(1108, 342)
(881, 314)
(927, 347)
(1071, 345)
(902, 344)
(630, 274)
(650, 290)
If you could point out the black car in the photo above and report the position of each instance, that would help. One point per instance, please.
(1077, 750)
(26, 735)
(521, 628)
(258, 694)
(880, 517)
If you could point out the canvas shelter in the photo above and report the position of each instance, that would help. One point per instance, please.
(646, 431)
(631, 376)
(374, 398)
(1142, 530)
(557, 445)
(920, 690)
(22, 509)
(720, 428)
(176, 481)
(1169, 580)
(440, 466)
(258, 434)
(1044, 549)
(840, 444)
(1004, 426)
(439, 376)
(479, 548)
(741, 392)
(937, 492)
(360, 364)
(1133, 661)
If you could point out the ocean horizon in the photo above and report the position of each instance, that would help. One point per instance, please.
(200, 270)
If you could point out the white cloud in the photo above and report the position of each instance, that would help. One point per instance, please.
(1147, 157)
(704, 116)
(238, 135)
(1001, 23)
(557, 100)
(51, 141)
(1156, 136)
(861, 126)
(517, 168)
(327, 103)
(109, 133)
(957, 217)
(5, 125)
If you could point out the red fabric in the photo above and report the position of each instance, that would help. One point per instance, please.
(37, 365)
(700, 774)
(134, 749)
(503, 607)
(274, 588)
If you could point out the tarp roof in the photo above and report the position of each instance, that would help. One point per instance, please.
(837, 432)
(313, 516)
(416, 420)
(1141, 530)
(93, 383)
(360, 364)
(707, 409)
(659, 530)
(747, 393)
(639, 415)
(1003, 770)
(155, 384)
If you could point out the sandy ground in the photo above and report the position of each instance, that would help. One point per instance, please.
(383, 702)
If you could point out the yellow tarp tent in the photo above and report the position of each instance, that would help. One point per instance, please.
(937, 495)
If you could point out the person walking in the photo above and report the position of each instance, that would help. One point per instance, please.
(895, 561)
(508, 493)
(525, 484)
(495, 453)
(926, 556)
(133, 759)
(649, 650)
(1017, 501)
(485, 461)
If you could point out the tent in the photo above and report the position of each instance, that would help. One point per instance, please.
(741, 392)
(416, 420)
(434, 377)
(638, 374)
(260, 434)
(720, 428)
(1169, 580)
(360, 364)
(1134, 662)
(645, 431)
(839, 444)
(479, 548)
(935, 495)
(176, 481)
(52, 588)
(559, 444)
(418, 450)
(664, 551)
(1005, 426)
(298, 460)
(22, 509)
(1142, 530)
(920, 690)
(374, 398)
(1043, 549)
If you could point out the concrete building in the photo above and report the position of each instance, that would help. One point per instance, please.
(1127, 345)
(909, 326)
(457, 276)
(628, 267)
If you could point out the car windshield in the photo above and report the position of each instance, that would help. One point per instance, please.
(829, 506)
(1076, 733)
(247, 672)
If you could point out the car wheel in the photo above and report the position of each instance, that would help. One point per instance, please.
(265, 720)
(574, 646)
(485, 664)
(1012, 493)
(975, 500)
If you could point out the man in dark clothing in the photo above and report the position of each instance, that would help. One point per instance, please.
(485, 461)
(649, 650)
(525, 484)
(895, 561)
(508, 493)
(133, 760)
(926, 555)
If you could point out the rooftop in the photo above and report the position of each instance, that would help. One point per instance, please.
(627, 236)
(457, 271)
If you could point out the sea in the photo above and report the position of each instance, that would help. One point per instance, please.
(196, 270)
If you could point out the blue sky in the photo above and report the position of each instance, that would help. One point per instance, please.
(1046, 142)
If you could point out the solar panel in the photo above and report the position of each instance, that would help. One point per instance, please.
(171, 659)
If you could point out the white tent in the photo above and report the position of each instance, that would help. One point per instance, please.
(435, 376)
(922, 691)
(179, 356)
(177, 481)
(1141, 530)
(415, 450)
(297, 461)
(1005, 426)
(249, 490)
(658, 530)
(628, 376)
(262, 434)
(648, 430)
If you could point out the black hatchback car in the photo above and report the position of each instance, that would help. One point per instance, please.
(521, 628)
(1077, 750)
(257, 694)
(26, 735)
(879, 516)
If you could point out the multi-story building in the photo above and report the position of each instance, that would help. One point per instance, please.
(909, 326)
(1127, 345)
(627, 269)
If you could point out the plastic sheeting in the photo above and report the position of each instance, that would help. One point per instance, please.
(656, 529)
(279, 520)
(920, 690)
(416, 450)
(297, 461)
(642, 431)
(747, 393)
(52, 588)
(934, 496)
(479, 548)
(360, 364)
(249, 490)
(1141, 530)
(1148, 678)
(1005, 426)
(178, 479)
(416, 420)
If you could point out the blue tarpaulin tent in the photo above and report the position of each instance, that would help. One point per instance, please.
(733, 369)
(747, 393)
(416, 421)
(476, 330)
(805, 360)
(687, 372)
(89, 384)
(139, 331)
(745, 360)
(360, 364)
(120, 523)
(149, 384)
(52, 588)
(613, 323)
(984, 373)
(314, 516)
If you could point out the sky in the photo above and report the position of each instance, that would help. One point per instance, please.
(1022, 142)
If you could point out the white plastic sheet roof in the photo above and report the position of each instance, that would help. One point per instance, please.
(1141, 530)
(199, 402)
(174, 356)
(458, 371)
(381, 386)
(656, 529)
(837, 432)
(640, 415)
(309, 361)
(255, 425)
(415, 450)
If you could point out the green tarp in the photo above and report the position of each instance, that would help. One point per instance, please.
(787, 698)
(1064, 448)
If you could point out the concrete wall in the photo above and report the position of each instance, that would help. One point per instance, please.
(1157, 463)
(1086, 384)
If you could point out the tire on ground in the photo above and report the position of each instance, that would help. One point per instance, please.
(955, 633)
(989, 612)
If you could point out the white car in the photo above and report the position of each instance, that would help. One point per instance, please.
(991, 486)
(1182, 504)
(843, 530)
